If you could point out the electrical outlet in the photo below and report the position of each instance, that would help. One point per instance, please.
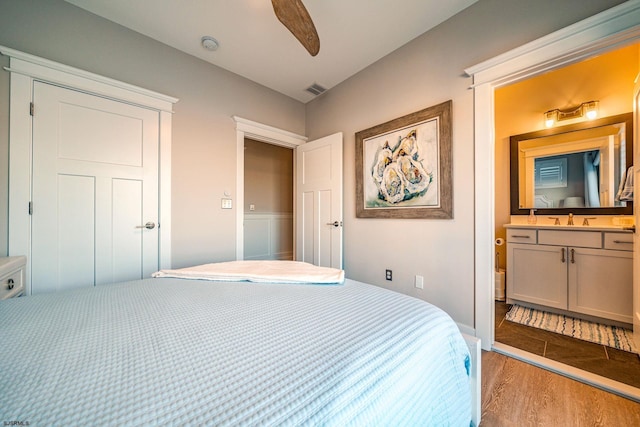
(419, 282)
(388, 274)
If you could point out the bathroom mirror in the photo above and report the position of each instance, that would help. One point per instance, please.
(579, 168)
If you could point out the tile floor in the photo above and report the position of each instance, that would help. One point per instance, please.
(609, 362)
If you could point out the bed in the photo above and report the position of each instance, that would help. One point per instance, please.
(193, 351)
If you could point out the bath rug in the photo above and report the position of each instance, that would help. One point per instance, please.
(611, 336)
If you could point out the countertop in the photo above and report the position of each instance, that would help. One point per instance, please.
(579, 227)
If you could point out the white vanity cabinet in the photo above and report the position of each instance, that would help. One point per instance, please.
(536, 274)
(574, 270)
(600, 283)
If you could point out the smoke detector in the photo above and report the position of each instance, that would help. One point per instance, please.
(210, 43)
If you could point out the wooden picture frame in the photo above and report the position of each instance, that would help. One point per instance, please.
(403, 166)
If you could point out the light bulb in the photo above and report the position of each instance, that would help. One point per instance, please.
(591, 109)
(550, 118)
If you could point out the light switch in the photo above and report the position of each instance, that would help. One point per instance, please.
(227, 204)
(252, 207)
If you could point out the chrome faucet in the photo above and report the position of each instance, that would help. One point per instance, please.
(570, 220)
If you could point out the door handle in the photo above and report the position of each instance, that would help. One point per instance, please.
(335, 223)
(573, 256)
(562, 251)
(149, 225)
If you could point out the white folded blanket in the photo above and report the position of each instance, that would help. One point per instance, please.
(259, 271)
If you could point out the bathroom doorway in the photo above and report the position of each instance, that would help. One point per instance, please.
(519, 108)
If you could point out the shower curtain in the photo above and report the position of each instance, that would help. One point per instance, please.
(591, 179)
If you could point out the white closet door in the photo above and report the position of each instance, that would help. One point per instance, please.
(95, 183)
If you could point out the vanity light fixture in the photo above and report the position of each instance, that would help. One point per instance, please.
(586, 109)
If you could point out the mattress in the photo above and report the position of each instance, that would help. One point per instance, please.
(174, 351)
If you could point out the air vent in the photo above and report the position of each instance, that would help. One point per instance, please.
(315, 89)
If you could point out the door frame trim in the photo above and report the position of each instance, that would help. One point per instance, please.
(605, 31)
(270, 135)
(25, 69)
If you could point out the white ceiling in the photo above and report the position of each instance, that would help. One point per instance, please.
(254, 44)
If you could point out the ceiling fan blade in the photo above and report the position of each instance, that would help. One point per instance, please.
(295, 17)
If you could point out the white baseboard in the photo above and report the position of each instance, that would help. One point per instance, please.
(466, 330)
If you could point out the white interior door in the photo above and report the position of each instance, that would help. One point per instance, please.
(95, 186)
(319, 201)
(636, 209)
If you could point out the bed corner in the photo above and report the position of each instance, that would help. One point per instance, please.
(475, 377)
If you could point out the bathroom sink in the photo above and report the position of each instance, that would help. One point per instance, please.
(564, 226)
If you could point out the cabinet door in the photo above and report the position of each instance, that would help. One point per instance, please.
(601, 283)
(537, 274)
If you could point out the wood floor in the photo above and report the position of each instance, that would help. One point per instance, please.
(515, 393)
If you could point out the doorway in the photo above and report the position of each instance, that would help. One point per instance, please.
(519, 109)
(613, 28)
(317, 210)
(26, 70)
(268, 201)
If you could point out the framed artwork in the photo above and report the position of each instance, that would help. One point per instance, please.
(403, 167)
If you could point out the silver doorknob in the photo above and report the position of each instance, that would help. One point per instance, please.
(335, 223)
(149, 226)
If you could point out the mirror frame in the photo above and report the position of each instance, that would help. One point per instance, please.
(626, 118)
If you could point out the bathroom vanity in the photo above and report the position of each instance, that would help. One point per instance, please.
(581, 270)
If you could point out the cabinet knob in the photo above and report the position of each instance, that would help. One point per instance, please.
(10, 283)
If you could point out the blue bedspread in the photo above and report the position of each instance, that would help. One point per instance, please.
(171, 351)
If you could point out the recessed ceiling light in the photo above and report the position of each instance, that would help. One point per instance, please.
(209, 43)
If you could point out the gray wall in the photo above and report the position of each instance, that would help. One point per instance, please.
(204, 137)
(268, 177)
(425, 72)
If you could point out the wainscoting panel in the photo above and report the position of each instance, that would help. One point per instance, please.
(268, 236)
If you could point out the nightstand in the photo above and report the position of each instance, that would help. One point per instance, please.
(12, 276)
